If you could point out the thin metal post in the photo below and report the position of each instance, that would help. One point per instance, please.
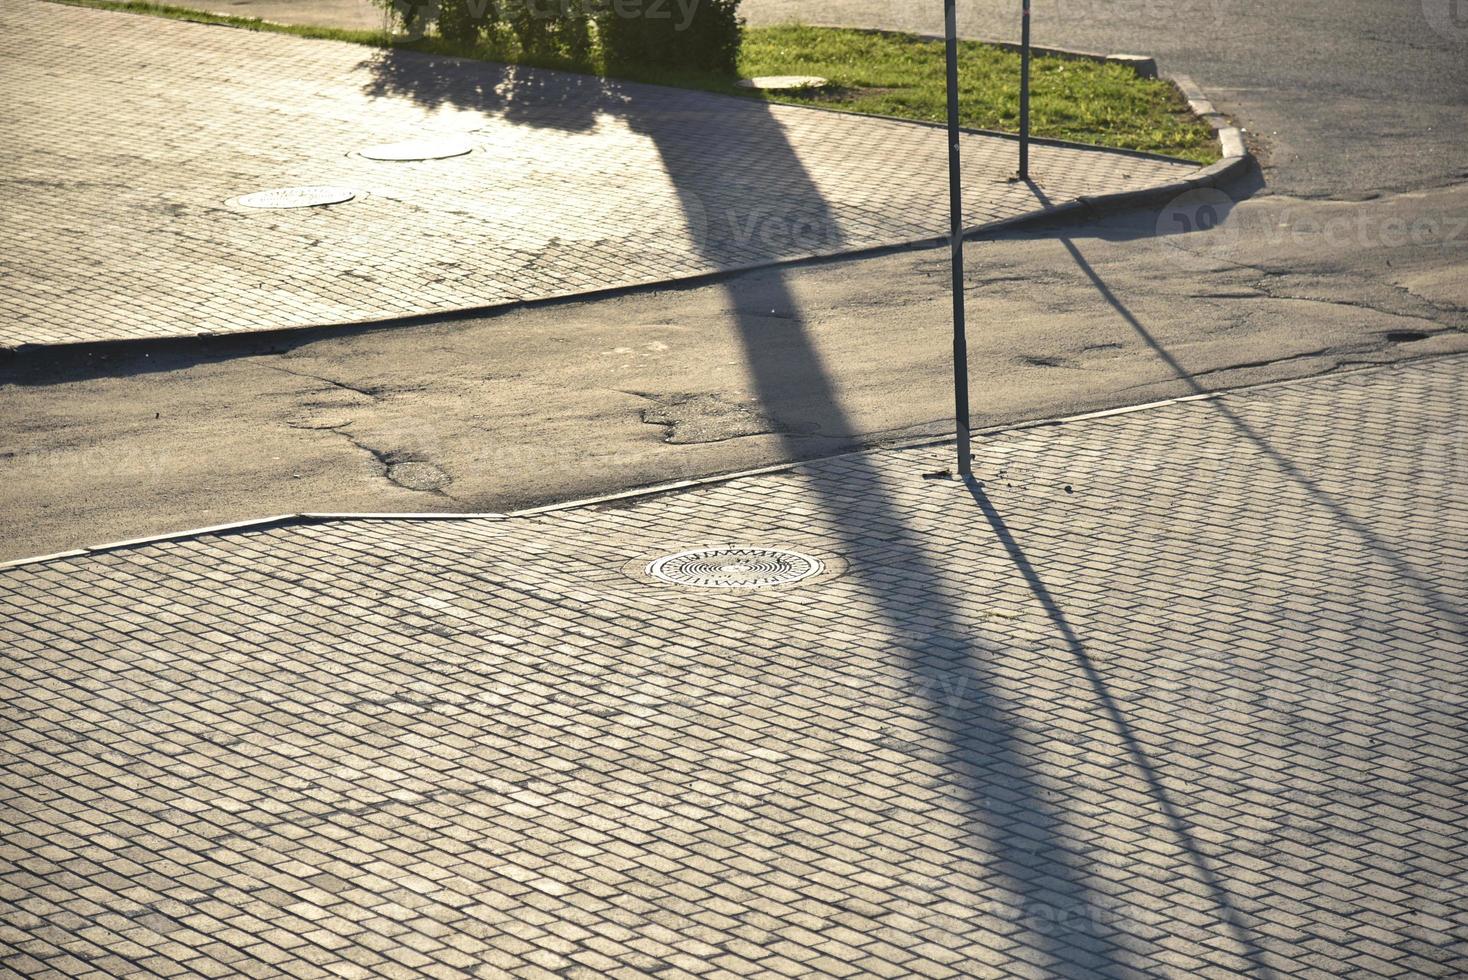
(955, 230)
(1024, 91)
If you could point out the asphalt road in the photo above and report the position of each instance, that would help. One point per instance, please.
(1355, 250)
(1344, 98)
(577, 399)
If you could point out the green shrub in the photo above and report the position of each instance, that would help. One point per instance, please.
(695, 35)
(549, 29)
(461, 21)
(633, 35)
(554, 31)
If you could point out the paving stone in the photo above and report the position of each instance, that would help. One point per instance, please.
(119, 159)
(1025, 733)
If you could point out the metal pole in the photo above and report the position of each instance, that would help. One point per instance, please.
(1024, 91)
(955, 231)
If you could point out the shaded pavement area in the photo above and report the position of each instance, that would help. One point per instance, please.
(122, 164)
(1172, 692)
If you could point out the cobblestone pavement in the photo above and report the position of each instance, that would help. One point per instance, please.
(1172, 693)
(119, 158)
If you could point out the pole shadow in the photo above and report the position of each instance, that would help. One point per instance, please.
(754, 201)
(1014, 828)
(1286, 467)
(1139, 759)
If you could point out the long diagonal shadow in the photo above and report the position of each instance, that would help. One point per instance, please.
(1143, 764)
(788, 374)
(758, 185)
(1435, 596)
(1012, 827)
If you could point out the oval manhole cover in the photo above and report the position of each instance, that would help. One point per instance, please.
(734, 567)
(782, 83)
(297, 197)
(429, 149)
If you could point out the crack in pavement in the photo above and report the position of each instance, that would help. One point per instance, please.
(1445, 318)
(1266, 293)
(1451, 308)
(1384, 193)
(1355, 349)
(1349, 357)
(373, 393)
(405, 469)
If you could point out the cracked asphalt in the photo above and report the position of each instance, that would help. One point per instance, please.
(565, 401)
(1173, 693)
(1352, 250)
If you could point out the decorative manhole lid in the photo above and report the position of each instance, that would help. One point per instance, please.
(783, 83)
(297, 197)
(425, 149)
(734, 567)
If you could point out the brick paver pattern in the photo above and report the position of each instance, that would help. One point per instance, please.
(124, 137)
(1176, 693)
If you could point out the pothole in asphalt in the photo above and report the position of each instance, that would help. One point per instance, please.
(695, 418)
(418, 476)
(734, 567)
(426, 149)
(296, 197)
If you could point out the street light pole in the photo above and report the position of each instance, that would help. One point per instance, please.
(1024, 90)
(955, 234)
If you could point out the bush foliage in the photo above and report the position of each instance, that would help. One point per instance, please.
(694, 35)
(623, 35)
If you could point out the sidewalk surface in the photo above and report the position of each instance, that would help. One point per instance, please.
(362, 15)
(119, 159)
(1172, 693)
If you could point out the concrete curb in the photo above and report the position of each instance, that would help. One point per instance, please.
(255, 524)
(1080, 209)
(316, 517)
(1235, 162)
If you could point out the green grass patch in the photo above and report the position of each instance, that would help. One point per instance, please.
(904, 76)
(882, 74)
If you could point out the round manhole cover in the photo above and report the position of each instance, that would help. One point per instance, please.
(427, 149)
(297, 197)
(734, 568)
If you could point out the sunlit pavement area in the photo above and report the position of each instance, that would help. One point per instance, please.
(1171, 692)
(123, 163)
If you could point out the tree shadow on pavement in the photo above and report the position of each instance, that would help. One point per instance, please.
(756, 202)
(1019, 842)
(729, 154)
(526, 96)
